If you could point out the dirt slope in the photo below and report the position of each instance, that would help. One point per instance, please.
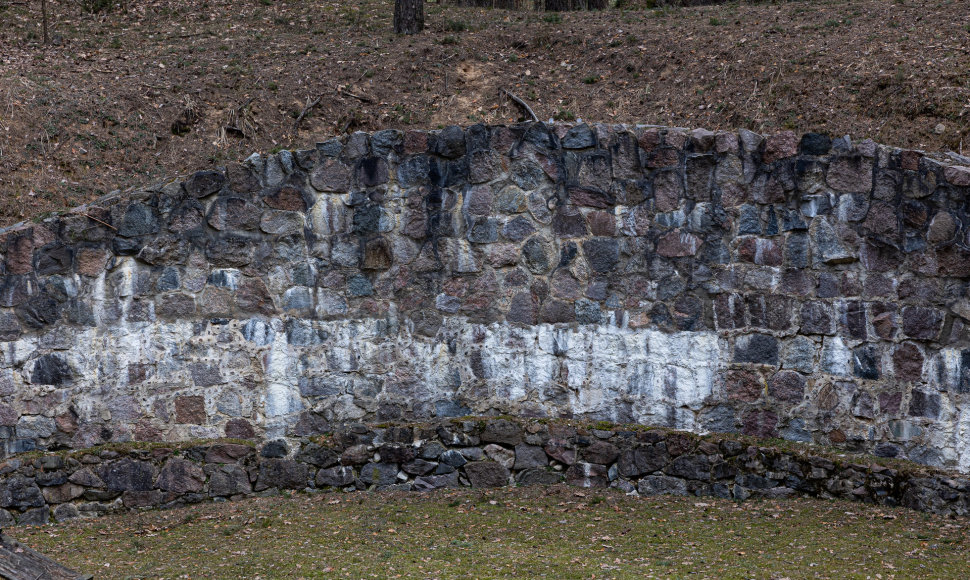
(172, 86)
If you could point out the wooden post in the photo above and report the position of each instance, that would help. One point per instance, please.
(408, 16)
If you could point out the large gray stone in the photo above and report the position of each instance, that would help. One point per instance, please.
(379, 473)
(661, 485)
(281, 473)
(487, 474)
(181, 476)
(128, 475)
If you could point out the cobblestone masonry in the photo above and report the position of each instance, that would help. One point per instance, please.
(800, 287)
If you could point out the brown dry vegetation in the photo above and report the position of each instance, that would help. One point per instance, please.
(96, 111)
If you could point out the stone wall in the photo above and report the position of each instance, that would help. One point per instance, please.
(807, 288)
(452, 454)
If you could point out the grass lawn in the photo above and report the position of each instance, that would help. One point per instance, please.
(552, 532)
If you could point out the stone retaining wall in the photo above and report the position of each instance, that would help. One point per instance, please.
(479, 453)
(801, 287)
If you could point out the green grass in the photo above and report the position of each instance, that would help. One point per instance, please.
(555, 532)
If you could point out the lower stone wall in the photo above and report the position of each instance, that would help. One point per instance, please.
(474, 453)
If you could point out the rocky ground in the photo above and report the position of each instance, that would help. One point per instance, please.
(123, 97)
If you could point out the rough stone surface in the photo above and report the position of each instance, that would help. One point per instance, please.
(487, 474)
(655, 461)
(777, 285)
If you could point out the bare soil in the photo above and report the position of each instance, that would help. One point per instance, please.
(123, 98)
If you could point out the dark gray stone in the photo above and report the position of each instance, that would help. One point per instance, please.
(128, 475)
(371, 172)
(536, 258)
(397, 453)
(340, 476)
(229, 480)
(379, 473)
(51, 369)
(302, 333)
(139, 220)
(829, 248)
(661, 485)
(529, 456)
(588, 312)
(749, 220)
(39, 312)
(756, 348)
(281, 473)
(602, 254)
(359, 286)
(636, 462)
(518, 229)
(54, 258)
(66, 512)
(450, 409)
(816, 318)
(865, 361)
(487, 474)
(419, 467)
(601, 452)
(814, 144)
(181, 476)
(924, 404)
(20, 492)
(690, 467)
(204, 183)
(277, 448)
(483, 230)
(10, 328)
(35, 517)
(797, 251)
(579, 137)
(430, 482)
(453, 458)
(502, 431)
(413, 171)
(539, 476)
(449, 142)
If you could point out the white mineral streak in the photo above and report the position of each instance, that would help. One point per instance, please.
(347, 369)
(950, 433)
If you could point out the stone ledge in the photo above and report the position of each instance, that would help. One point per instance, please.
(468, 452)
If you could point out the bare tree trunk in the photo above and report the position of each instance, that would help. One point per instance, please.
(43, 10)
(18, 562)
(408, 16)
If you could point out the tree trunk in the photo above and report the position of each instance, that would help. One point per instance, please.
(43, 10)
(408, 16)
(559, 5)
(18, 562)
